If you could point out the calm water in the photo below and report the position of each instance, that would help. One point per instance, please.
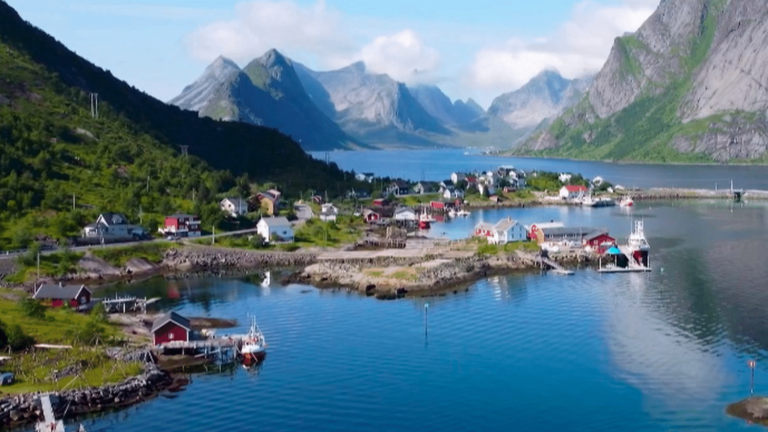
(439, 164)
(657, 352)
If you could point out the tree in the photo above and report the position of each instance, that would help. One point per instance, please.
(243, 186)
(99, 312)
(17, 339)
(32, 308)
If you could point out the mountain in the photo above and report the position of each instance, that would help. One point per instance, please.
(688, 86)
(454, 114)
(267, 92)
(372, 107)
(137, 154)
(545, 96)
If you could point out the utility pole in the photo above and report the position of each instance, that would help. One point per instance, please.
(73, 202)
(193, 195)
(141, 215)
(213, 237)
(147, 184)
(38, 264)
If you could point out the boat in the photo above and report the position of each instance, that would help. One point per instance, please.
(425, 220)
(452, 213)
(638, 245)
(254, 348)
(626, 201)
(599, 202)
(463, 213)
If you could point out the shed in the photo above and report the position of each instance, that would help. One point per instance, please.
(171, 327)
(56, 295)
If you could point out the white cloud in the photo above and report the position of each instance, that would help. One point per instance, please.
(261, 25)
(579, 46)
(315, 31)
(403, 56)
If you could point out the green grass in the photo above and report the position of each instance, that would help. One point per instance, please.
(405, 275)
(374, 273)
(493, 249)
(347, 229)
(118, 256)
(56, 265)
(414, 200)
(33, 370)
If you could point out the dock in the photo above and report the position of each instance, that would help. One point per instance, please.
(634, 266)
(125, 304)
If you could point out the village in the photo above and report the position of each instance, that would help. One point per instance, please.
(388, 251)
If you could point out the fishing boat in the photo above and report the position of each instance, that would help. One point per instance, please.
(425, 220)
(638, 245)
(626, 201)
(254, 345)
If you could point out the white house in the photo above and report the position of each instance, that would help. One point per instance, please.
(366, 177)
(507, 231)
(573, 192)
(405, 214)
(457, 177)
(424, 188)
(113, 226)
(234, 206)
(328, 213)
(275, 226)
(482, 187)
(452, 193)
(303, 211)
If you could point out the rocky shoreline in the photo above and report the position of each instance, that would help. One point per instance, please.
(419, 277)
(25, 409)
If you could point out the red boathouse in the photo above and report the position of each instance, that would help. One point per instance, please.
(170, 327)
(56, 295)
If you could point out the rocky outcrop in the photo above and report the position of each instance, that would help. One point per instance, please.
(218, 258)
(17, 410)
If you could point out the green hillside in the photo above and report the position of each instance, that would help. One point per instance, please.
(129, 158)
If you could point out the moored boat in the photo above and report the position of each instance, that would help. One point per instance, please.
(463, 213)
(425, 220)
(627, 201)
(638, 245)
(254, 345)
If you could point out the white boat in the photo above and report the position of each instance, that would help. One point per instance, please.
(254, 345)
(638, 245)
(452, 213)
(626, 201)
(463, 213)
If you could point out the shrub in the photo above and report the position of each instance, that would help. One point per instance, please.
(32, 308)
(17, 339)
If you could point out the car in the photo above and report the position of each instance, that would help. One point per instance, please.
(6, 378)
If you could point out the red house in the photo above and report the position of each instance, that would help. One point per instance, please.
(599, 241)
(170, 327)
(57, 295)
(182, 225)
(371, 216)
(380, 202)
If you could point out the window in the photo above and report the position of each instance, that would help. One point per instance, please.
(170, 335)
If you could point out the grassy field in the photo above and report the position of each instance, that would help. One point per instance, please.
(34, 368)
(492, 249)
(118, 256)
(56, 265)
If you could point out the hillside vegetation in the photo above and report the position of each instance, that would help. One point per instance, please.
(129, 158)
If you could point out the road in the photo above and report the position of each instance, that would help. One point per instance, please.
(16, 253)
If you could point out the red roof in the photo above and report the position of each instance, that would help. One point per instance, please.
(471, 179)
(571, 188)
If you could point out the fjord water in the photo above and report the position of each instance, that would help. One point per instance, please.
(439, 164)
(643, 352)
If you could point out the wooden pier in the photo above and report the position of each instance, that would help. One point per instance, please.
(126, 304)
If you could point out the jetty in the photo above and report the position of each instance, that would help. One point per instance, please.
(125, 304)
(632, 265)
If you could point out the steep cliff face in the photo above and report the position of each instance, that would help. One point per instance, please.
(372, 107)
(267, 92)
(690, 85)
(545, 96)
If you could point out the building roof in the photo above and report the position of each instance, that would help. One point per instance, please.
(239, 202)
(545, 225)
(171, 317)
(366, 212)
(484, 226)
(400, 184)
(568, 231)
(596, 234)
(505, 224)
(401, 210)
(181, 215)
(59, 291)
(575, 188)
(329, 210)
(279, 221)
(114, 218)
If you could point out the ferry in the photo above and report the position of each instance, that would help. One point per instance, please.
(254, 345)
(627, 201)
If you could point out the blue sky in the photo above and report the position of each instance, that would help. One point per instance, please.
(478, 48)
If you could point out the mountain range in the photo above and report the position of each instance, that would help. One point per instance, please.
(691, 85)
(353, 107)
